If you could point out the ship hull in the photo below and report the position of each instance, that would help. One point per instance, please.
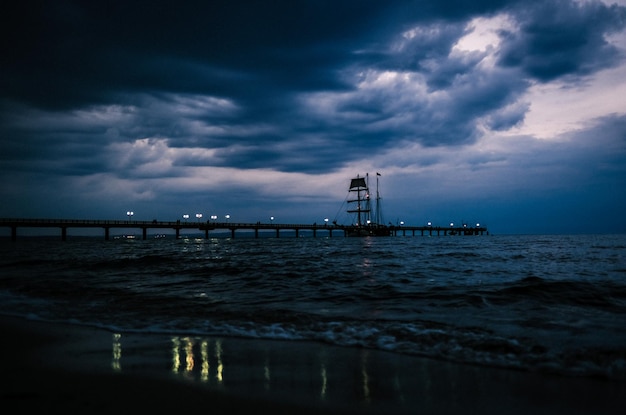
(356, 231)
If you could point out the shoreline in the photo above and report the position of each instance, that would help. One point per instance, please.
(70, 369)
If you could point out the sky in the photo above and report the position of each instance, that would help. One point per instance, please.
(507, 113)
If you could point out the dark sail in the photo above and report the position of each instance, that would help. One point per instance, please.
(358, 182)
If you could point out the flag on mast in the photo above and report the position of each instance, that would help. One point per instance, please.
(377, 174)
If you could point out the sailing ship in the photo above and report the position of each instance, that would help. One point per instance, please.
(359, 201)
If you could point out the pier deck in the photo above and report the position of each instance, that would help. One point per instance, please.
(276, 228)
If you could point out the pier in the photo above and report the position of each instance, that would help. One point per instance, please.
(274, 229)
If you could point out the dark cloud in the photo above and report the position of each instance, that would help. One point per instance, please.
(558, 38)
(72, 53)
(507, 117)
(76, 54)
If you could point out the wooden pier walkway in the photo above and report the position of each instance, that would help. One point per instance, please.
(255, 228)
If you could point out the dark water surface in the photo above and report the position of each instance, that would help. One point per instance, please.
(540, 303)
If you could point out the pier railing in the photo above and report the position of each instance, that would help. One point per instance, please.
(177, 226)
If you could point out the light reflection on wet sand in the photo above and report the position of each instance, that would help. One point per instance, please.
(357, 378)
(40, 356)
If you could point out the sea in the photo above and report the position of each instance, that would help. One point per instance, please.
(540, 303)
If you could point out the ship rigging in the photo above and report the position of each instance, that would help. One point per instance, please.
(360, 206)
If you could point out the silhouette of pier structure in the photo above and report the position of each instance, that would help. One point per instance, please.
(256, 229)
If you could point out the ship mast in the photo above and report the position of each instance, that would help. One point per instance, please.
(378, 215)
(359, 186)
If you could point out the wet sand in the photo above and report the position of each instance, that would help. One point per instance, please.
(67, 369)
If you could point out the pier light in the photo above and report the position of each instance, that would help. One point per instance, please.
(401, 223)
(451, 224)
(271, 219)
(186, 216)
(326, 221)
(213, 218)
(430, 224)
(199, 216)
(130, 214)
(227, 218)
(478, 225)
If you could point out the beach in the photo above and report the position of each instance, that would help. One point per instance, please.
(59, 368)
(63, 368)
